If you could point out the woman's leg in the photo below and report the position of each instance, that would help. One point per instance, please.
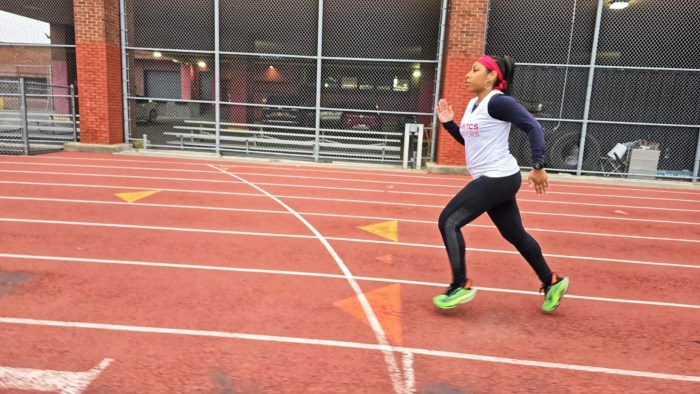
(506, 217)
(471, 202)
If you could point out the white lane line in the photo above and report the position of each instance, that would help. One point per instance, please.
(219, 181)
(160, 178)
(347, 345)
(110, 167)
(539, 201)
(549, 192)
(195, 191)
(306, 168)
(281, 235)
(373, 172)
(394, 371)
(63, 259)
(552, 192)
(519, 200)
(161, 228)
(500, 251)
(226, 209)
(408, 373)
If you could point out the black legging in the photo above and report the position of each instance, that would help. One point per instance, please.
(496, 196)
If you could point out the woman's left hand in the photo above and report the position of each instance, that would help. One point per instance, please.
(539, 179)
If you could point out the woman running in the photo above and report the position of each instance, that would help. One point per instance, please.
(484, 131)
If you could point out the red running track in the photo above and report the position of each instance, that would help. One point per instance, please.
(210, 285)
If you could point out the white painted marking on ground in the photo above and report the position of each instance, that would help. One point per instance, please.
(231, 232)
(319, 187)
(417, 245)
(162, 228)
(525, 212)
(408, 373)
(65, 259)
(64, 382)
(98, 175)
(226, 209)
(534, 201)
(394, 371)
(652, 188)
(110, 167)
(348, 345)
(557, 193)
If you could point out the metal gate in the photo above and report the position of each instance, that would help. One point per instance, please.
(36, 117)
(320, 79)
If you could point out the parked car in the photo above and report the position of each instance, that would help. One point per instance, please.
(279, 116)
(146, 111)
(361, 120)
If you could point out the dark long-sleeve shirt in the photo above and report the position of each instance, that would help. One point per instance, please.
(507, 109)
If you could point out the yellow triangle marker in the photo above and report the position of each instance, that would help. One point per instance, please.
(386, 303)
(388, 230)
(135, 196)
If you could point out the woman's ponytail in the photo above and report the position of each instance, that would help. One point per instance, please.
(509, 70)
(506, 66)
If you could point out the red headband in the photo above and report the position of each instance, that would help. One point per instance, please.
(489, 63)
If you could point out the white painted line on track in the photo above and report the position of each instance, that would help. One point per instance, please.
(374, 172)
(66, 259)
(226, 209)
(213, 192)
(63, 382)
(426, 185)
(347, 345)
(282, 235)
(394, 372)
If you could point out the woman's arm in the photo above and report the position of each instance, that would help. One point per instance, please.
(507, 109)
(447, 115)
(453, 129)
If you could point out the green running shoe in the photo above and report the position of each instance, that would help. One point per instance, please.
(554, 293)
(455, 295)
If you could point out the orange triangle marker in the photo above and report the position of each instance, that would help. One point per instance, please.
(386, 303)
(135, 196)
(388, 259)
(390, 187)
(388, 230)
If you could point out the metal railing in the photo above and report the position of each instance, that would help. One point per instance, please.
(36, 117)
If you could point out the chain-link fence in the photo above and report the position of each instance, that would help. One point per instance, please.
(35, 117)
(38, 105)
(306, 78)
(613, 86)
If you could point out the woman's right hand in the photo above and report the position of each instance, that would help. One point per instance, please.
(444, 111)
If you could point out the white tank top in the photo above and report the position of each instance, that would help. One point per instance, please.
(486, 142)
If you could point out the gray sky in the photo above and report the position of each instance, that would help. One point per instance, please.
(18, 29)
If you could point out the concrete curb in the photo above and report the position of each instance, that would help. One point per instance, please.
(96, 148)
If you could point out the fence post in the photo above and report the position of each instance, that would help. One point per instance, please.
(696, 169)
(589, 89)
(74, 113)
(217, 79)
(319, 80)
(23, 116)
(438, 77)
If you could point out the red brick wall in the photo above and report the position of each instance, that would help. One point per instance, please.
(99, 71)
(466, 28)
